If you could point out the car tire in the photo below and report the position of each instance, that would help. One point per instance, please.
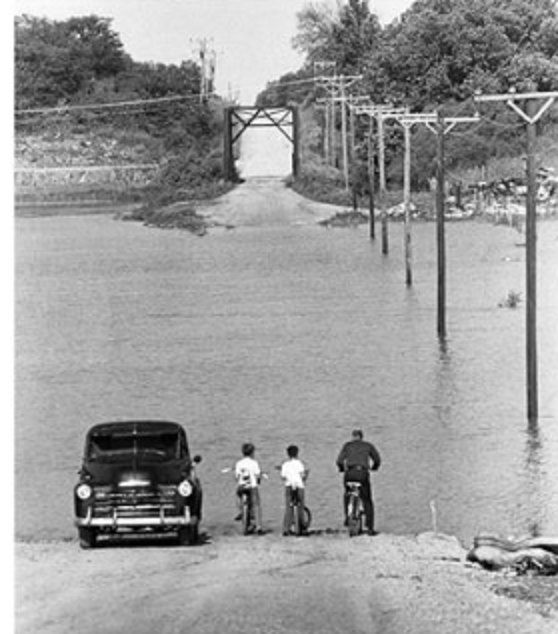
(87, 538)
(188, 535)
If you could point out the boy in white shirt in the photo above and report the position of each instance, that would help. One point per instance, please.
(294, 473)
(248, 476)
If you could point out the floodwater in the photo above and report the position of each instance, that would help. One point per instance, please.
(290, 334)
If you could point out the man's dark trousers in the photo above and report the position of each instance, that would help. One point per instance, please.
(361, 475)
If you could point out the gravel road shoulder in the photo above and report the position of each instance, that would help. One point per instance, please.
(323, 583)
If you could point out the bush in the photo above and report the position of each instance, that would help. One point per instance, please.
(321, 183)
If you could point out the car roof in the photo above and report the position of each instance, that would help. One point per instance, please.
(135, 427)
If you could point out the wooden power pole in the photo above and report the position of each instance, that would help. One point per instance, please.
(371, 180)
(440, 127)
(327, 68)
(525, 105)
(376, 112)
(440, 228)
(338, 85)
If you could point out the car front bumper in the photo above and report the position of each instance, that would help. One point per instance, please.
(119, 520)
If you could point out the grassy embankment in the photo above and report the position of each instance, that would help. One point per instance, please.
(168, 200)
(323, 183)
(149, 195)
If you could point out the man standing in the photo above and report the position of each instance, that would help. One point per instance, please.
(356, 459)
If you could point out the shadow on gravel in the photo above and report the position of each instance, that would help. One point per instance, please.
(151, 541)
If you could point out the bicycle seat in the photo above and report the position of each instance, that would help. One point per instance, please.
(353, 486)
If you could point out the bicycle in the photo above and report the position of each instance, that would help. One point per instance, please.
(300, 522)
(355, 509)
(248, 516)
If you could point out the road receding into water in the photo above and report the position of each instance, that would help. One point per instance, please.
(265, 201)
(323, 583)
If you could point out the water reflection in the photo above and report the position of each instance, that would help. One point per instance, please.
(444, 350)
(534, 480)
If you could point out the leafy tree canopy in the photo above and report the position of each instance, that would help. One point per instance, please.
(344, 37)
(54, 60)
(439, 50)
(445, 49)
(437, 54)
(81, 61)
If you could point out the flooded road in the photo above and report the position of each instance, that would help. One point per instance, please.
(286, 333)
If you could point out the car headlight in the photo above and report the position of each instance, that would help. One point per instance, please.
(84, 491)
(185, 488)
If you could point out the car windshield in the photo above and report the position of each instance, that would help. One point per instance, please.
(151, 447)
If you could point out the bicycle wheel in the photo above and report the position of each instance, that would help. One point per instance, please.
(246, 514)
(306, 518)
(354, 518)
(301, 520)
(296, 526)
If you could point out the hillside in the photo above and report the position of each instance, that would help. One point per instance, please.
(91, 123)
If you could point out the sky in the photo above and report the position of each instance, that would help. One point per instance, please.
(251, 38)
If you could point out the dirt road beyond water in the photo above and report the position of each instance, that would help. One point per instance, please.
(323, 583)
(266, 201)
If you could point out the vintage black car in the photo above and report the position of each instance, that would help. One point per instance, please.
(137, 477)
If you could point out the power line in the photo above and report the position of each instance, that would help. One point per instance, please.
(114, 104)
(290, 83)
(498, 124)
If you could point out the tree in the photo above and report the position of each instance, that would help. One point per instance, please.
(445, 49)
(94, 45)
(290, 88)
(344, 38)
(315, 31)
(55, 60)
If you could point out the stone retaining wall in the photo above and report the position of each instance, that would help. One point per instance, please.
(121, 176)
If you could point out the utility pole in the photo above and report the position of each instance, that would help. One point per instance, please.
(373, 111)
(407, 120)
(338, 84)
(383, 112)
(371, 179)
(407, 205)
(343, 98)
(530, 114)
(330, 128)
(333, 136)
(208, 62)
(352, 130)
(381, 157)
(326, 134)
(440, 227)
(440, 127)
(327, 68)
(352, 103)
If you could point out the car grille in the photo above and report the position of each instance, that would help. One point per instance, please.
(135, 503)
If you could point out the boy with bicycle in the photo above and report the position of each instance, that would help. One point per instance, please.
(294, 474)
(248, 477)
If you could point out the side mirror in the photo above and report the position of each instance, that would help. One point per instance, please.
(197, 459)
